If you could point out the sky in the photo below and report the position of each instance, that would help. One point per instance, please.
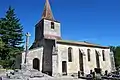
(95, 21)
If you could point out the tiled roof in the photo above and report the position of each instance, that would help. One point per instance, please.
(47, 13)
(82, 43)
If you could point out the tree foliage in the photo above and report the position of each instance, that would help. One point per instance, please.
(11, 33)
(1, 47)
(116, 51)
(1, 44)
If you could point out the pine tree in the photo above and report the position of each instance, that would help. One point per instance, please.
(1, 44)
(1, 47)
(11, 33)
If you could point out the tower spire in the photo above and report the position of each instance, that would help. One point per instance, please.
(47, 13)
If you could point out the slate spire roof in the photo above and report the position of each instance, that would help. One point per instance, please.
(47, 13)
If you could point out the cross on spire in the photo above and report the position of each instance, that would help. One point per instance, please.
(47, 13)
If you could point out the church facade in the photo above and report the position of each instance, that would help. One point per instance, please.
(51, 54)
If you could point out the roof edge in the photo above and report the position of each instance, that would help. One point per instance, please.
(82, 43)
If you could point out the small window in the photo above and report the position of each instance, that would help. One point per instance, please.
(70, 54)
(103, 54)
(52, 25)
(88, 52)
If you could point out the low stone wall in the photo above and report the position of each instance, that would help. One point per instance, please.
(2, 72)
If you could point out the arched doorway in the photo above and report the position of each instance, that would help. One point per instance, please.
(36, 64)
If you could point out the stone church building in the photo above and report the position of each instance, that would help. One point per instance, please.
(51, 54)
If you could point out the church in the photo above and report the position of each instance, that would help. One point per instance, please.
(52, 55)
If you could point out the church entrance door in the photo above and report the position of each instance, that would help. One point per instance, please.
(36, 64)
(81, 61)
(97, 60)
(64, 67)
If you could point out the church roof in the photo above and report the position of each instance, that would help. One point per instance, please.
(82, 43)
(47, 13)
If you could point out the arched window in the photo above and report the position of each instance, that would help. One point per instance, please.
(88, 52)
(70, 54)
(97, 59)
(52, 25)
(103, 54)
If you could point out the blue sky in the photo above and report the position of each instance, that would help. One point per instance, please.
(96, 21)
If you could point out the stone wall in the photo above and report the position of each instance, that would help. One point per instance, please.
(18, 61)
(112, 62)
(39, 31)
(73, 67)
(52, 32)
(2, 72)
(47, 55)
(32, 54)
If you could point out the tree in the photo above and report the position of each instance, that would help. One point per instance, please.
(1, 47)
(117, 56)
(1, 44)
(11, 33)
(116, 51)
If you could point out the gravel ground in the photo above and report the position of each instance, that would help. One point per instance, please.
(44, 78)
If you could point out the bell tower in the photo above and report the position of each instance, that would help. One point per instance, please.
(47, 31)
(48, 27)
